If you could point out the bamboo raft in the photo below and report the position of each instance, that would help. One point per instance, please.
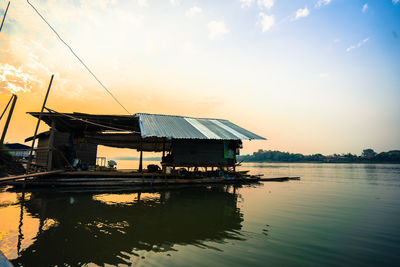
(61, 178)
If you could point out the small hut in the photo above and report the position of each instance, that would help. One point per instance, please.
(183, 141)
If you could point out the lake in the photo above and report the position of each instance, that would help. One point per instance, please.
(336, 215)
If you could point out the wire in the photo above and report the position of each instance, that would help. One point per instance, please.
(80, 60)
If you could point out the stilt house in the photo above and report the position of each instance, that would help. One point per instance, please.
(183, 141)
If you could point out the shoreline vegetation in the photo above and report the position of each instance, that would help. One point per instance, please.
(367, 156)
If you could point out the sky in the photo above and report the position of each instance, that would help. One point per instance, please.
(319, 76)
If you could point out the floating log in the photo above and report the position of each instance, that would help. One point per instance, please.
(278, 179)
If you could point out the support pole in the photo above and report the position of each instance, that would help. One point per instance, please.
(4, 111)
(141, 161)
(51, 145)
(38, 123)
(4, 17)
(163, 148)
(3, 136)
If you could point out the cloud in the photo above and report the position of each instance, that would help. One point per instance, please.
(324, 75)
(246, 3)
(142, 2)
(321, 3)
(217, 29)
(266, 21)
(302, 13)
(395, 1)
(175, 2)
(15, 79)
(193, 11)
(364, 8)
(268, 4)
(360, 43)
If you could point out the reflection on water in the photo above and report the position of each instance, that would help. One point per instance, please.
(80, 228)
(337, 214)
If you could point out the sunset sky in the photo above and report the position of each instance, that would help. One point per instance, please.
(319, 76)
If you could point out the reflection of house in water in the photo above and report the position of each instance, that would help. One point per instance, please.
(82, 228)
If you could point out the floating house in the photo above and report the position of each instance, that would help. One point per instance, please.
(183, 141)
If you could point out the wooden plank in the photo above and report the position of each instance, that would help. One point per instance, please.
(29, 175)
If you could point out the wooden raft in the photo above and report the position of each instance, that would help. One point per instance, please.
(60, 178)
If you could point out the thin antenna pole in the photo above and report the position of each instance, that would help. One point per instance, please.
(4, 17)
(38, 123)
(3, 135)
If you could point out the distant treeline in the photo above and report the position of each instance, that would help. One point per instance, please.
(367, 156)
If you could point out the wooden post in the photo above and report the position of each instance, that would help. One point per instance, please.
(3, 136)
(4, 17)
(141, 161)
(163, 148)
(4, 111)
(51, 145)
(38, 123)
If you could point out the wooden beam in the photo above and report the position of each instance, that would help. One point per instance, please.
(163, 149)
(4, 17)
(51, 146)
(38, 123)
(141, 161)
(3, 135)
(13, 178)
(4, 111)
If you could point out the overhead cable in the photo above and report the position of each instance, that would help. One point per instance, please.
(80, 60)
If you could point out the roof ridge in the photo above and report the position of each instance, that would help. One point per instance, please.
(179, 116)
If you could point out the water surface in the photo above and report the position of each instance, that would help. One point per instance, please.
(336, 215)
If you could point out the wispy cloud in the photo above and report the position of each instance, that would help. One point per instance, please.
(217, 29)
(246, 3)
(395, 1)
(302, 13)
(193, 11)
(175, 2)
(358, 45)
(321, 3)
(266, 21)
(268, 4)
(142, 2)
(364, 8)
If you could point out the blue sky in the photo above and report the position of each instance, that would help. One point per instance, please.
(311, 76)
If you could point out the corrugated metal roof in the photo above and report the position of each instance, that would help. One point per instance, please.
(178, 127)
